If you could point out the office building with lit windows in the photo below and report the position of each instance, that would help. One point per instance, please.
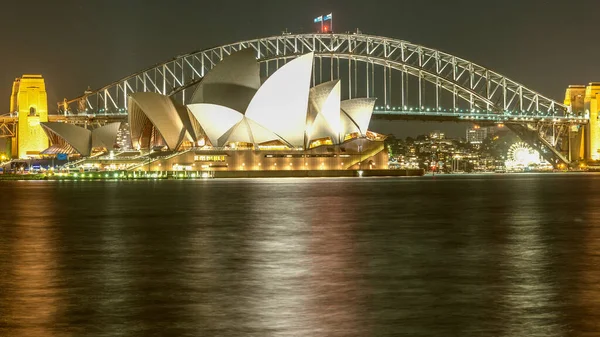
(476, 135)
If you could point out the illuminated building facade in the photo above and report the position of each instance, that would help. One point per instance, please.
(575, 102)
(437, 134)
(582, 100)
(30, 102)
(236, 122)
(124, 137)
(592, 107)
(476, 135)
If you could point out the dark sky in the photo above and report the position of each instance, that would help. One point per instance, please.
(543, 44)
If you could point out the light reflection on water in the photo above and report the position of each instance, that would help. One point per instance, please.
(453, 256)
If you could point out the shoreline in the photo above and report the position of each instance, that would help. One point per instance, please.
(172, 175)
(112, 176)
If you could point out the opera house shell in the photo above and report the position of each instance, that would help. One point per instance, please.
(236, 121)
(71, 139)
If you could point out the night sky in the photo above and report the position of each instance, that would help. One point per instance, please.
(543, 44)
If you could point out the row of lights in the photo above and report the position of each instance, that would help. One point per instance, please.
(543, 114)
(123, 175)
(243, 167)
(440, 109)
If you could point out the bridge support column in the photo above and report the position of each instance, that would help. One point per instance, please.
(29, 100)
(579, 141)
(592, 109)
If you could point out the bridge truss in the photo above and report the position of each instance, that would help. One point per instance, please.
(410, 81)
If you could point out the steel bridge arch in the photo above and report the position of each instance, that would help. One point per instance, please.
(480, 87)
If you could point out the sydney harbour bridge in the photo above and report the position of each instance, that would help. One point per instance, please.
(410, 81)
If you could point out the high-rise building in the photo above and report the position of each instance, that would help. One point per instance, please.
(476, 134)
(124, 137)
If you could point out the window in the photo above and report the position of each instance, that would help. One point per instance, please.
(214, 159)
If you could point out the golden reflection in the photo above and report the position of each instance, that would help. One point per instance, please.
(278, 293)
(529, 292)
(335, 291)
(32, 297)
(588, 282)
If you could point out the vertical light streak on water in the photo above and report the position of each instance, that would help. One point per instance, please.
(33, 293)
(279, 263)
(530, 288)
(336, 269)
(588, 274)
(114, 281)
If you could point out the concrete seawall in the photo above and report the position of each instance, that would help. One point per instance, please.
(121, 175)
(317, 174)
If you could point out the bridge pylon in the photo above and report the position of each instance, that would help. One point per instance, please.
(29, 100)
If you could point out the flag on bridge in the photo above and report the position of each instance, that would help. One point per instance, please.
(325, 27)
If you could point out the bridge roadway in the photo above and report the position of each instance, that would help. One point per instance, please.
(476, 116)
(8, 122)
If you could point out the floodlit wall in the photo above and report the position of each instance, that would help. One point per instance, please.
(575, 101)
(372, 156)
(30, 101)
(575, 98)
(592, 107)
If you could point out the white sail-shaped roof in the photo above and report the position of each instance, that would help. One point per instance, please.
(360, 111)
(261, 134)
(248, 131)
(281, 104)
(216, 120)
(105, 136)
(161, 112)
(324, 113)
(232, 83)
(239, 133)
(80, 139)
(348, 125)
(188, 123)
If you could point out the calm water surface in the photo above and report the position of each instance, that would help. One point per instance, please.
(446, 256)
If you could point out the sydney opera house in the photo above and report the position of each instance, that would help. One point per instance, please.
(236, 121)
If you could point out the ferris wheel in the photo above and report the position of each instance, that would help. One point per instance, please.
(521, 154)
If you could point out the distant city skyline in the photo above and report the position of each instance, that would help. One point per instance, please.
(405, 129)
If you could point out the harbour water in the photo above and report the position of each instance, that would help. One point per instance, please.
(469, 255)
